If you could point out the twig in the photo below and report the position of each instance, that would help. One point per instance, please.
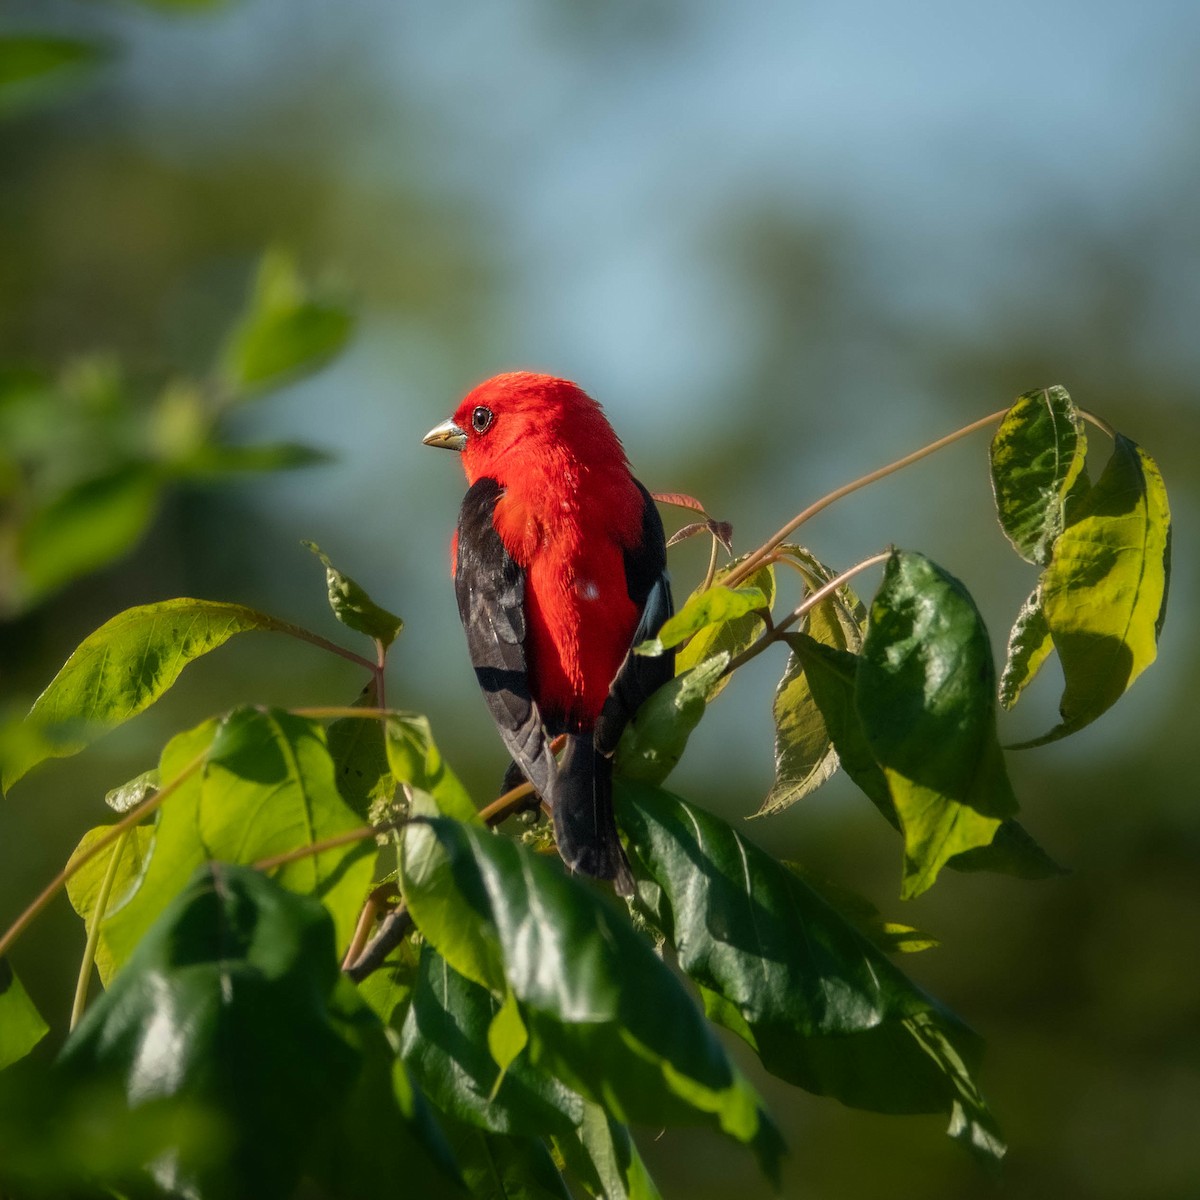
(747, 568)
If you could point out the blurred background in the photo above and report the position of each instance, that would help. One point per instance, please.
(783, 244)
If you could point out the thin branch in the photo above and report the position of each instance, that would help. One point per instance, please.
(807, 605)
(315, 639)
(1099, 422)
(376, 902)
(330, 843)
(93, 937)
(131, 818)
(710, 574)
(747, 568)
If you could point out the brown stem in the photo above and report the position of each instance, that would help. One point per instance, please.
(330, 843)
(1099, 422)
(807, 605)
(746, 568)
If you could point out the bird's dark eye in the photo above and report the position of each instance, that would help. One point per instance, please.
(481, 418)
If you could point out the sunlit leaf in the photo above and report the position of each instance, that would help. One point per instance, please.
(127, 664)
(1029, 645)
(1104, 593)
(37, 68)
(21, 1025)
(729, 636)
(445, 1045)
(289, 330)
(604, 1013)
(654, 741)
(716, 606)
(824, 1008)
(1036, 456)
(267, 788)
(925, 691)
(353, 607)
(132, 855)
(136, 791)
(804, 753)
(415, 759)
(832, 675)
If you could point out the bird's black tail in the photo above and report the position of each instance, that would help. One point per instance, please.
(584, 826)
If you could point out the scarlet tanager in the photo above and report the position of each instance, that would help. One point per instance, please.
(560, 568)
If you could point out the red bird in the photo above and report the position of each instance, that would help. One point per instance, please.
(560, 568)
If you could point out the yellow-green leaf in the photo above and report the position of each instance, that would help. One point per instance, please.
(1104, 593)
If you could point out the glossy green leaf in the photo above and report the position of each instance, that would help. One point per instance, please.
(86, 527)
(832, 675)
(415, 759)
(21, 1025)
(716, 606)
(445, 1046)
(384, 1141)
(805, 756)
(925, 691)
(36, 68)
(1036, 456)
(229, 983)
(353, 607)
(654, 741)
(505, 1167)
(1104, 593)
(288, 331)
(824, 1008)
(127, 664)
(730, 636)
(604, 1013)
(1029, 645)
(603, 1157)
(268, 787)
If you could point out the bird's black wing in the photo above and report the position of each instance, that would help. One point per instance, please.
(490, 588)
(649, 587)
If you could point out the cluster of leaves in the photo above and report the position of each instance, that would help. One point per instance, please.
(528, 1020)
(86, 455)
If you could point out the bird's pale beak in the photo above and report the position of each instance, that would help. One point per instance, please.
(447, 435)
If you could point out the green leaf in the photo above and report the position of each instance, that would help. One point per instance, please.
(729, 636)
(654, 741)
(502, 1167)
(824, 1008)
(805, 756)
(234, 978)
(602, 1155)
(86, 527)
(84, 885)
(1036, 457)
(384, 1141)
(268, 787)
(604, 1013)
(127, 664)
(415, 759)
(716, 606)
(288, 331)
(353, 607)
(136, 791)
(832, 674)
(356, 745)
(217, 461)
(21, 1025)
(1029, 645)
(1104, 593)
(36, 68)
(925, 692)
(445, 1045)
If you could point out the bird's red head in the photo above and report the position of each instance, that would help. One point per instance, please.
(521, 417)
